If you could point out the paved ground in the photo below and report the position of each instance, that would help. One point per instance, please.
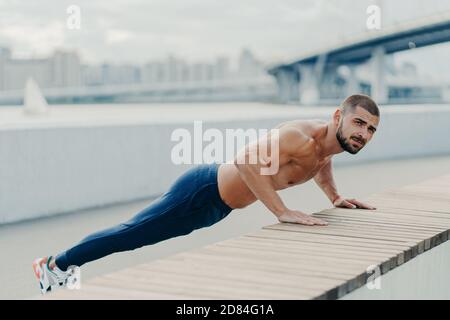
(20, 243)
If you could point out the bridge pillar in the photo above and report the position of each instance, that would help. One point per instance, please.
(446, 93)
(5, 55)
(379, 88)
(287, 82)
(309, 85)
(352, 81)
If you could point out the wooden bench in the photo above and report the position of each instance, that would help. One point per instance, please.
(291, 261)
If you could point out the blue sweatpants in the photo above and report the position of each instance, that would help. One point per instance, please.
(192, 202)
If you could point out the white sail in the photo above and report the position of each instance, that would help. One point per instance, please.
(34, 101)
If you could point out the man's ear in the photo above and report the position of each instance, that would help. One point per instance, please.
(337, 117)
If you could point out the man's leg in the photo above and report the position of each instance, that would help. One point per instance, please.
(191, 203)
(153, 224)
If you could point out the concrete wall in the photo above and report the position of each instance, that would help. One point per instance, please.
(57, 169)
(424, 277)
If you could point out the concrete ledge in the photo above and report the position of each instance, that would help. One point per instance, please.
(425, 277)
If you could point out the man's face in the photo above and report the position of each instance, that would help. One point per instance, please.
(355, 129)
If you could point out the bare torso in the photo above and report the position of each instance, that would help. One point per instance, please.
(301, 168)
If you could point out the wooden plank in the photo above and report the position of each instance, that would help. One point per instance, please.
(188, 285)
(94, 292)
(310, 248)
(355, 234)
(336, 223)
(406, 252)
(279, 243)
(272, 266)
(292, 266)
(425, 222)
(434, 217)
(356, 277)
(335, 245)
(409, 203)
(280, 234)
(359, 270)
(225, 275)
(387, 261)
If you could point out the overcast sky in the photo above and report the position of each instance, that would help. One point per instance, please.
(140, 30)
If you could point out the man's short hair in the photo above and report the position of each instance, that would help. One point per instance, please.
(360, 100)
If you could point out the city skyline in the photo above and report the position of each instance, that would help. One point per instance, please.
(201, 29)
(66, 68)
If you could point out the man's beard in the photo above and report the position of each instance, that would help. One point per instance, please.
(345, 144)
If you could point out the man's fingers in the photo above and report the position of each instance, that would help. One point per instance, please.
(319, 222)
(312, 221)
(302, 218)
(347, 204)
(361, 205)
(306, 222)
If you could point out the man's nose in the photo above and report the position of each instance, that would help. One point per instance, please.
(363, 136)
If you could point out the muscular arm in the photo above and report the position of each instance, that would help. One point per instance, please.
(290, 140)
(324, 179)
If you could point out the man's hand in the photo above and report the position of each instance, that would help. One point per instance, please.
(294, 216)
(340, 202)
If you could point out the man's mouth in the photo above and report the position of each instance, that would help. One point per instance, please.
(359, 142)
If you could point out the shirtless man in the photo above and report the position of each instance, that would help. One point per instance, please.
(305, 151)
(207, 193)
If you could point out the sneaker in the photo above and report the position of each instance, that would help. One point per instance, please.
(47, 277)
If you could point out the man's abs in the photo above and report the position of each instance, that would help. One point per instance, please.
(235, 192)
(232, 189)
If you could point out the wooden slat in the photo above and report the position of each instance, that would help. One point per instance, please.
(291, 261)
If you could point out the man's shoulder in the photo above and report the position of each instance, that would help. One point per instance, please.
(302, 130)
(295, 138)
(294, 133)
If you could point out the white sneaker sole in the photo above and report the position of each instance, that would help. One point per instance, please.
(38, 268)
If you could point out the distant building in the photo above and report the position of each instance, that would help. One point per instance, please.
(91, 75)
(199, 71)
(153, 72)
(174, 69)
(222, 68)
(249, 66)
(65, 69)
(121, 74)
(168, 71)
(17, 71)
(5, 56)
(62, 69)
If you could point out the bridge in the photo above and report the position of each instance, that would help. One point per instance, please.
(300, 79)
(257, 89)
